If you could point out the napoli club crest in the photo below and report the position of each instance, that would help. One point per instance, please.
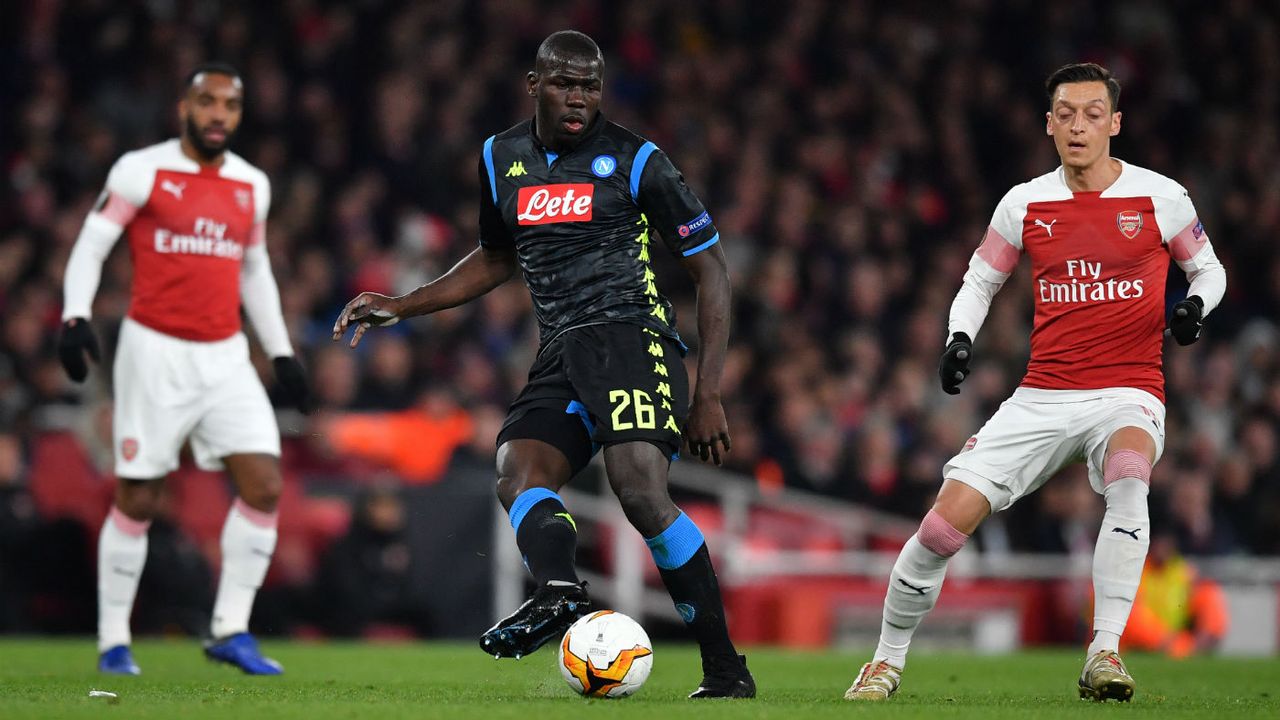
(129, 448)
(1129, 222)
(603, 166)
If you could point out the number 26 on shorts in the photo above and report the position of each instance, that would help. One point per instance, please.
(643, 412)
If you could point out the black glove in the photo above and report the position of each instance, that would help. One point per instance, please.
(1187, 319)
(293, 382)
(954, 366)
(77, 338)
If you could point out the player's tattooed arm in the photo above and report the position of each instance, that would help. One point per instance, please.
(708, 429)
(476, 274)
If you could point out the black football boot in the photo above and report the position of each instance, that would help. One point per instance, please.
(725, 677)
(542, 618)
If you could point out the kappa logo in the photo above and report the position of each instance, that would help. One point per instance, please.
(173, 188)
(547, 204)
(516, 169)
(1047, 228)
(129, 448)
(1129, 222)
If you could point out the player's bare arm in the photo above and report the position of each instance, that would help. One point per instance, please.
(707, 428)
(476, 274)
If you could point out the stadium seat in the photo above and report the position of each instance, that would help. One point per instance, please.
(64, 483)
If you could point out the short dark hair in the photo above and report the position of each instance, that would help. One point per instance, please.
(566, 44)
(217, 68)
(1084, 72)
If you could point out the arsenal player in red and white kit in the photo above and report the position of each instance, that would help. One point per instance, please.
(1100, 233)
(194, 215)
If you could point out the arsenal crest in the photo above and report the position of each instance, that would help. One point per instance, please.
(243, 198)
(1129, 222)
(129, 448)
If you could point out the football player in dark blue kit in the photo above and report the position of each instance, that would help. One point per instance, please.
(577, 204)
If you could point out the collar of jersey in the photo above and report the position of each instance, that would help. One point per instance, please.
(593, 129)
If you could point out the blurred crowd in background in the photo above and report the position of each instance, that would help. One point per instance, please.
(850, 153)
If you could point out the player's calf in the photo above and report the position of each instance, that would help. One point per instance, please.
(1122, 545)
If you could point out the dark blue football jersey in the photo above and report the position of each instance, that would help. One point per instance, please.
(583, 224)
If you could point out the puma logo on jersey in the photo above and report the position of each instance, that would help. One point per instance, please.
(1131, 533)
(516, 169)
(173, 188)
(563, 202)
(1047, 228)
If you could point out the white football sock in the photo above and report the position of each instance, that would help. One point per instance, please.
(248, 540)
(1117, 560)
(914, 586)
(122, 552)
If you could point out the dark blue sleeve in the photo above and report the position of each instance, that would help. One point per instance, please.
(669, 204)
(494, 233)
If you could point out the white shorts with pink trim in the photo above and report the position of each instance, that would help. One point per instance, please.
(169, 391)
(1036, 433)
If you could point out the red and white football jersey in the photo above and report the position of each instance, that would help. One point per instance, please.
(1099, 262)
(187, 229)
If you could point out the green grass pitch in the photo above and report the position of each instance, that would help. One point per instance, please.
(43, 678)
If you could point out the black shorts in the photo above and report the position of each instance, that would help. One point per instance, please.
(601, 385)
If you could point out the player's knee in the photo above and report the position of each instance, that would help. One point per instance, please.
(508, 489)
(263, 493)
(511, 485)
(1126, 463)
(649, 509)
(138, 499)
(940, 536)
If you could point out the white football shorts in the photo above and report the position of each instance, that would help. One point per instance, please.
(169, 390)
(1036, 432)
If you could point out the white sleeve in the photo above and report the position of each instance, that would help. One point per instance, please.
(84, 267)
(1188, 243)
(261, 298)
(128, 185)
(1207, 276)
(973, 301)
(261, 198)
(991, 265)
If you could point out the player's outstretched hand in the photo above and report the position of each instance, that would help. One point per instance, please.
(707, 429)
(954, 366)
(76, 340)
(365, 311)
(1187, 319)
(293, 381)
